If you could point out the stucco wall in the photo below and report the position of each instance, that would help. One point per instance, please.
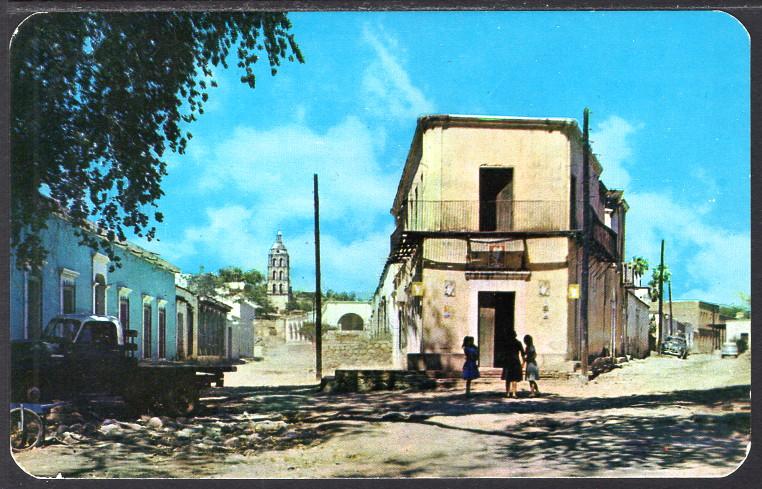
(637, 326)
(138, 274)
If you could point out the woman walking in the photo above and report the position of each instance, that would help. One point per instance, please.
(530, 362)
(471, 367)
(512, 368)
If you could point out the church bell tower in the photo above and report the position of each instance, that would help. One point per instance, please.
(278, 277)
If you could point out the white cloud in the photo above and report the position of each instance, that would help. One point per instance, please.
(709, 262)
(273, 170)
(345, 266)
(224, 233)
(387, 88)
(611, 141)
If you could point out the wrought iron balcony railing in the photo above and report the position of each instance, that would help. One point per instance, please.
(475, 215)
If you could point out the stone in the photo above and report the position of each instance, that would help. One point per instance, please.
(61, 430)
(270, 427)
(185, 433)
(131, 426)
(108, 421)
(76, 428)
(231, 442)
(155, 423)
(109, 429)
(181, 420)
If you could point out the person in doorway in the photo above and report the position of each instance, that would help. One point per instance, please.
(471, 367)
(530, 364)
(512, 368)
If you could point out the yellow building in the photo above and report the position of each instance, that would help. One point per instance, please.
(488, 239)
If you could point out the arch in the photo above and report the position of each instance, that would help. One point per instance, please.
(281, 288)
(275, 261)
(351, 322)
(274, 287)
(281, 262)
(280, 275)
(274, 274)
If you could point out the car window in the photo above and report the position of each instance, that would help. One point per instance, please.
(98, 333)
(61, 330)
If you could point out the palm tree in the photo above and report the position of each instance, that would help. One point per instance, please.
(654, 283)
(639, 266)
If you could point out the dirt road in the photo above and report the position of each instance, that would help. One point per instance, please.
(660, 417)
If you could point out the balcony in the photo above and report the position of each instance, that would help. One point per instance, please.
(605, 240)
(441, 216)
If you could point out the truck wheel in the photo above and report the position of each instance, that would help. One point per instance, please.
(136, 400)
(180, 401)
(186, 401)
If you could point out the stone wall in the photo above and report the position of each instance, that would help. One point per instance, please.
(268, 334)
(355, 350)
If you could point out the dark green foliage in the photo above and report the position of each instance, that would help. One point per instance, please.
(254, 286)
(653, 285)
(305, 301)
(308, 330)
(98, 98)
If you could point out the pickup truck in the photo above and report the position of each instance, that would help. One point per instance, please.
(81, 355)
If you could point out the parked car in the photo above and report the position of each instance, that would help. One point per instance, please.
(729, 349)
(674, 345)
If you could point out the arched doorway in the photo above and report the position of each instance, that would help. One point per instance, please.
(351, 322)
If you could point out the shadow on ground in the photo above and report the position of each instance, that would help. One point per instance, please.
(583, 435)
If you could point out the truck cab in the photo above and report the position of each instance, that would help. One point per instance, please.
(76, 354)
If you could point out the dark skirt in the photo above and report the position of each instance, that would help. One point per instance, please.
(512, 370)
(470, 370)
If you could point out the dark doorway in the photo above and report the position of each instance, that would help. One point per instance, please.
(495, 199)
(496, 322)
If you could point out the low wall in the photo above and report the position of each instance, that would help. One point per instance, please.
(355, 350)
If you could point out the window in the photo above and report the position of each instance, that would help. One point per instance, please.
(100, 334)
(274, 290)
(281, 262)
(281, 288)
(180, 334)
(68, 291)
(162, 332)
(147, 312)
(33, 304)
(124, 312)
(99, 295)
(280, 275)
(190, 332)
(275, 261)
(100, 283)
(62, 330)
(274, 274)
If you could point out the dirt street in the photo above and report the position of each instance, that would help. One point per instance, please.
(661, 417)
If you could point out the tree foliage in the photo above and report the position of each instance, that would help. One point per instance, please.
(97, 100)
(653, 285)
(305, 301)
(254, 286)
(639, 265)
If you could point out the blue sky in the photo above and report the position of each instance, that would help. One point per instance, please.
(669, 95)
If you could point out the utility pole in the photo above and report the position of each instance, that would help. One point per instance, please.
(671, 323)
(583, 302)
(318, 293)
(661, 301)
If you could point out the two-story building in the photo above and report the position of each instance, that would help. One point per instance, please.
(489, 215)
